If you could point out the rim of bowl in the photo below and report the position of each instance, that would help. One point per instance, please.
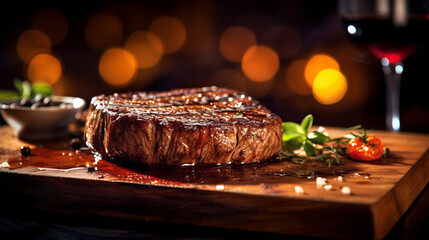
(76, 103)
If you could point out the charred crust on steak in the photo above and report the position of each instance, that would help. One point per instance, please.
(196, 126)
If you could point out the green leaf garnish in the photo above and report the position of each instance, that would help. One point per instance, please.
(306, 123)
(309, 148)
(18, 85)
(8, 94)
(292, 127)
(298, 138)
(318, 137)
(24, 89)
(40, 88)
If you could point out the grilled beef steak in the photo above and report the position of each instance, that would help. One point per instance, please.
(196, 126)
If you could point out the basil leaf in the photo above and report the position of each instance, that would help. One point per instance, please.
(307, 122)
(26, 89)
(40, 88)
(8, 94)
(288, 136)
(318, 137)
(309, 148)
(293, 144)
(292, 127)
(18, 85)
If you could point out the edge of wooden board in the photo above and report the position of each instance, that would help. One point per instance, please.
(392, 206)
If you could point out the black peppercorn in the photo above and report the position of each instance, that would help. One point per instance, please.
(91, 168)
(75, 144)
(25, 102)
(25, 151)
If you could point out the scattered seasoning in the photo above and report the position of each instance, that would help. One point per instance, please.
(346, 190)
(340, 178)
(25, 151)
(320, 182)
(328, 187)
(299, 190)
(4, 165)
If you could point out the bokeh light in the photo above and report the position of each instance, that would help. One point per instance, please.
(53, 23)
(146, 47)
(285, 39)
(295, 79)
(103, 30)
(32, 42)
(44, 68)
(229, 78)
(171, 31)
(235, 41)
(117, 66)
(317, 63)
(260, 63)
(329, 86)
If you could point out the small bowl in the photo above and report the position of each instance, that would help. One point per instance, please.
(43, 122)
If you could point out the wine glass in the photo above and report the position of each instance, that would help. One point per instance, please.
(391, 30)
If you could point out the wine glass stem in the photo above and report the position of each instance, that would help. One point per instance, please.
(393, 74)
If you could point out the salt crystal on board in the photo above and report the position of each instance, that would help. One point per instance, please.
(346, 190)
(320, 182)
(4, 165)
(299, 190)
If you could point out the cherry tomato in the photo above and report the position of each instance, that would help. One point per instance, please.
(369, 150)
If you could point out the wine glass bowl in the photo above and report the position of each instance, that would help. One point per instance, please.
(391, 31)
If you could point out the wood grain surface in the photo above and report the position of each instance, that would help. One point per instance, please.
(258, 197)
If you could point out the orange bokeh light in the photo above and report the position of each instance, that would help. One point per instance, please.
(103, 30)
(329, 86)
(235, 41)
(260, 63)
(146, 47)
(117, 66)
(295, 80)
(31, 43)
(44, 68)
(316, 64)
(171, 31)
(52, 22)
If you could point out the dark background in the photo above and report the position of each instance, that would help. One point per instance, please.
(195, 64)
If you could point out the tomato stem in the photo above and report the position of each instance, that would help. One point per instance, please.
(363, 136)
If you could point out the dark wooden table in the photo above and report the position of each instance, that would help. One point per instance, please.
(389, 200)
(17, 222)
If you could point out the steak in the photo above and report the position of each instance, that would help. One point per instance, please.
(196, 126)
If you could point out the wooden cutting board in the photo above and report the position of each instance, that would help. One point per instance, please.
(256, 197)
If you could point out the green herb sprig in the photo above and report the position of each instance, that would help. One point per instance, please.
(24, 89)
(316, 145)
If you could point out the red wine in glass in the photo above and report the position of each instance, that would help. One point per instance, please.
(385, 40)
(391, 31)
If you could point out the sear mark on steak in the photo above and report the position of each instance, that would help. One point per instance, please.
(196, 126)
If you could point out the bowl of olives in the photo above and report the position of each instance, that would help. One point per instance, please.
(41, 117)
